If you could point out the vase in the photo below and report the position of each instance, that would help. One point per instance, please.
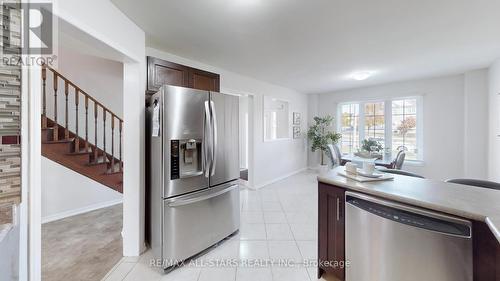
(323, 169)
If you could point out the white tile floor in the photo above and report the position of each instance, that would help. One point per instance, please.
(278, 221)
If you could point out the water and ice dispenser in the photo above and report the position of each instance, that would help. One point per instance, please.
(185, 158)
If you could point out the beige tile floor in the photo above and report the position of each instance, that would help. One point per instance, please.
(277, 221)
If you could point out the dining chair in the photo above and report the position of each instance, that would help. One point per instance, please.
(399, 160)
(402, 147)
(400, 172)
(338, 154)
(478, 183)
(392, 165)
(334, 155)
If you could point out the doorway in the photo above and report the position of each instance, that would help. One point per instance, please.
(245, 139)
(82, 167)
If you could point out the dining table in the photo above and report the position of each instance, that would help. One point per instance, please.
(386, 161)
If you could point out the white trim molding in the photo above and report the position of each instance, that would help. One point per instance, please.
(79, 211)
(278, 179)
(34, 193)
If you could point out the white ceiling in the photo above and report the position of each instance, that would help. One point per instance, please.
(312, 46)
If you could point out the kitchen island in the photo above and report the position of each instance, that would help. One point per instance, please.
(479, 205)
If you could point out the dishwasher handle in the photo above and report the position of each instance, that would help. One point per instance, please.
(411, 216)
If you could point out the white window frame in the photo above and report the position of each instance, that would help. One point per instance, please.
(361, 123)
(363, 104)
(388, 121)
(419, 129)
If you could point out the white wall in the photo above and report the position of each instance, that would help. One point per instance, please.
(476, 124)
(443, 119)
(101, 78)
(124, 38)
(272, 160)
(494, 124)
(60, 199)
(243, 131)
(134, 158)
(93, 17)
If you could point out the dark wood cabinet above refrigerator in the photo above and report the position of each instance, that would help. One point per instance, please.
(161, 72)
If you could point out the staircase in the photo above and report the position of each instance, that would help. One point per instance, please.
(63, 141)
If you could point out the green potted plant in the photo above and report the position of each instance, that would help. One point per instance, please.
(320, 135)
(370, 148)
(371, 145)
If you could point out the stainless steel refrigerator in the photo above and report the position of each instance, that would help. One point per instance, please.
(194, 168)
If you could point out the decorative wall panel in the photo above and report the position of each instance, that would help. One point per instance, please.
(10, 111)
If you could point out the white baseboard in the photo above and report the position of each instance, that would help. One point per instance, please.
(78, 211)
(244, 183)
(255, 187)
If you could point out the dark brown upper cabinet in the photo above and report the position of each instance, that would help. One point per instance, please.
(203, 80)
(161, 72)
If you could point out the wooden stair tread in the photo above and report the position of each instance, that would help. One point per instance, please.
(97, 164)
(94, 172)
(60, 151)
(79, 153)
(70, 140)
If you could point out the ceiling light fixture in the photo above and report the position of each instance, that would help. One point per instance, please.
(248, 2)
(361, 75)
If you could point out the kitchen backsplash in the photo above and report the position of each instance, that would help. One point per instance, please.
(10, 115)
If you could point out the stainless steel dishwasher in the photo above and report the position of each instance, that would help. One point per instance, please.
(388, 241)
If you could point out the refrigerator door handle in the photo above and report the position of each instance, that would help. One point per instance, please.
(206, 142)
(214, 132)
(201, 197)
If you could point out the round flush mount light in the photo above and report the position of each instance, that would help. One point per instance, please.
(361, 75)
(248, 2)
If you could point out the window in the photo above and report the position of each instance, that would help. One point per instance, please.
(375, 121)
(349, 127)
(404, 127)
(394, 123)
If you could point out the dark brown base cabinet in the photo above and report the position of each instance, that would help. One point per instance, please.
(331, 239)
(486, 253)
(331, 232)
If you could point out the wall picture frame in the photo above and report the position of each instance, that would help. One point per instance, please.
(296, 118)
(296, 132)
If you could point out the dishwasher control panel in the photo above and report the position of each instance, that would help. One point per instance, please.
(410, 218)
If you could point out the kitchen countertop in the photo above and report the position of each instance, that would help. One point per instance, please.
(469, 202)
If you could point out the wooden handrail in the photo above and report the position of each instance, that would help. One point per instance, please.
(94, 150)
(80, 90)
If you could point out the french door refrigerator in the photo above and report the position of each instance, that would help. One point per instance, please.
(194, 168)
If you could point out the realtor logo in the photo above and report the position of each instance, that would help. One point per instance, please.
(28, 29)
(38, 32)
(37, 27)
